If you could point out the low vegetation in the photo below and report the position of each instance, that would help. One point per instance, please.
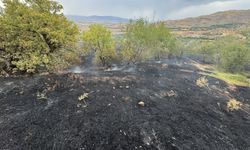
(98, 41)
(229, 54)
(233, 105)
(144, 40)
(83, 97)
(202, 82)
(35, 36)
(235, 79)
(228, 57)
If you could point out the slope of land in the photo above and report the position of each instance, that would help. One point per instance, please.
(45, 112)
(223, 19)
(97, 19)
(115, 24)
(211, 26)
(203, 27)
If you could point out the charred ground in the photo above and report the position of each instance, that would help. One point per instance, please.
(44, 112)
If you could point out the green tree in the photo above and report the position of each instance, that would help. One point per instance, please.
(147, 40)
(34, 35)
(98, 40)
(135, 41)
(161, 41)
(246, 32)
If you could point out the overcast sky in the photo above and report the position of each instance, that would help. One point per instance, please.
(158, 9)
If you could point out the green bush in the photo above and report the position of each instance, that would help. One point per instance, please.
(207, 50)
(161, 42)
(134, 42)
(98, 40)
(233, 55)
(144, 40)
(34, 33)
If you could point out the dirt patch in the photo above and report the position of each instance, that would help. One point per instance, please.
(177, 114)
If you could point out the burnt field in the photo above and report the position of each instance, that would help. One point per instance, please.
(152, 105)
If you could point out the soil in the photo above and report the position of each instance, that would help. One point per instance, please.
(149, 106)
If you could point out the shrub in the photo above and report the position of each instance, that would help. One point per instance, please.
(135, 39)
(230, 53)
(202, 82)
(98, 40)
(33, 34)
(234, 104)
(143, 40)
(161, 42)
(207, 51)
(233, 55)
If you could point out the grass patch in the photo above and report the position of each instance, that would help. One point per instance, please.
(239, 79)
(234, 104)
(202, 82)
(235, 79)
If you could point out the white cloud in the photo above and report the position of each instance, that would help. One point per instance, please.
(1, 3)
(193, 11)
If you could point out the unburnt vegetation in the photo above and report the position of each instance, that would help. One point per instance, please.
(144, 40)
(35, 37)
(98, 41)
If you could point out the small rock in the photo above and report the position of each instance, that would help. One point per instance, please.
(113, 88)
(141, 103)
(127, 87)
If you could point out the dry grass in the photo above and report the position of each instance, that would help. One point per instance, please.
(41, 96)
(202, 82)
(170, 93)
(203, 67)
(83, 96)
(234, 104)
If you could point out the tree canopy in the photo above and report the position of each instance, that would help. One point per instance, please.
(98, 40)
(147, 40)
(34, 35)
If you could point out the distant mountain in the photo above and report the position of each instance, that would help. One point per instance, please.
(97, 19)
(232, 17)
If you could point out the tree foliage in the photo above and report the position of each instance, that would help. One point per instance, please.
(207, 50)
(34, 35)
(160, 41)
(229, 53)
(146, 40)
(135, 41)
(98, 40)
(233, 54)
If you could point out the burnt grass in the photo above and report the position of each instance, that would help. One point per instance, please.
(178, 114)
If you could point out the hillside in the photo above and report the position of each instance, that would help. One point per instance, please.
(226, 18)
(207, 27)
(97, 19)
